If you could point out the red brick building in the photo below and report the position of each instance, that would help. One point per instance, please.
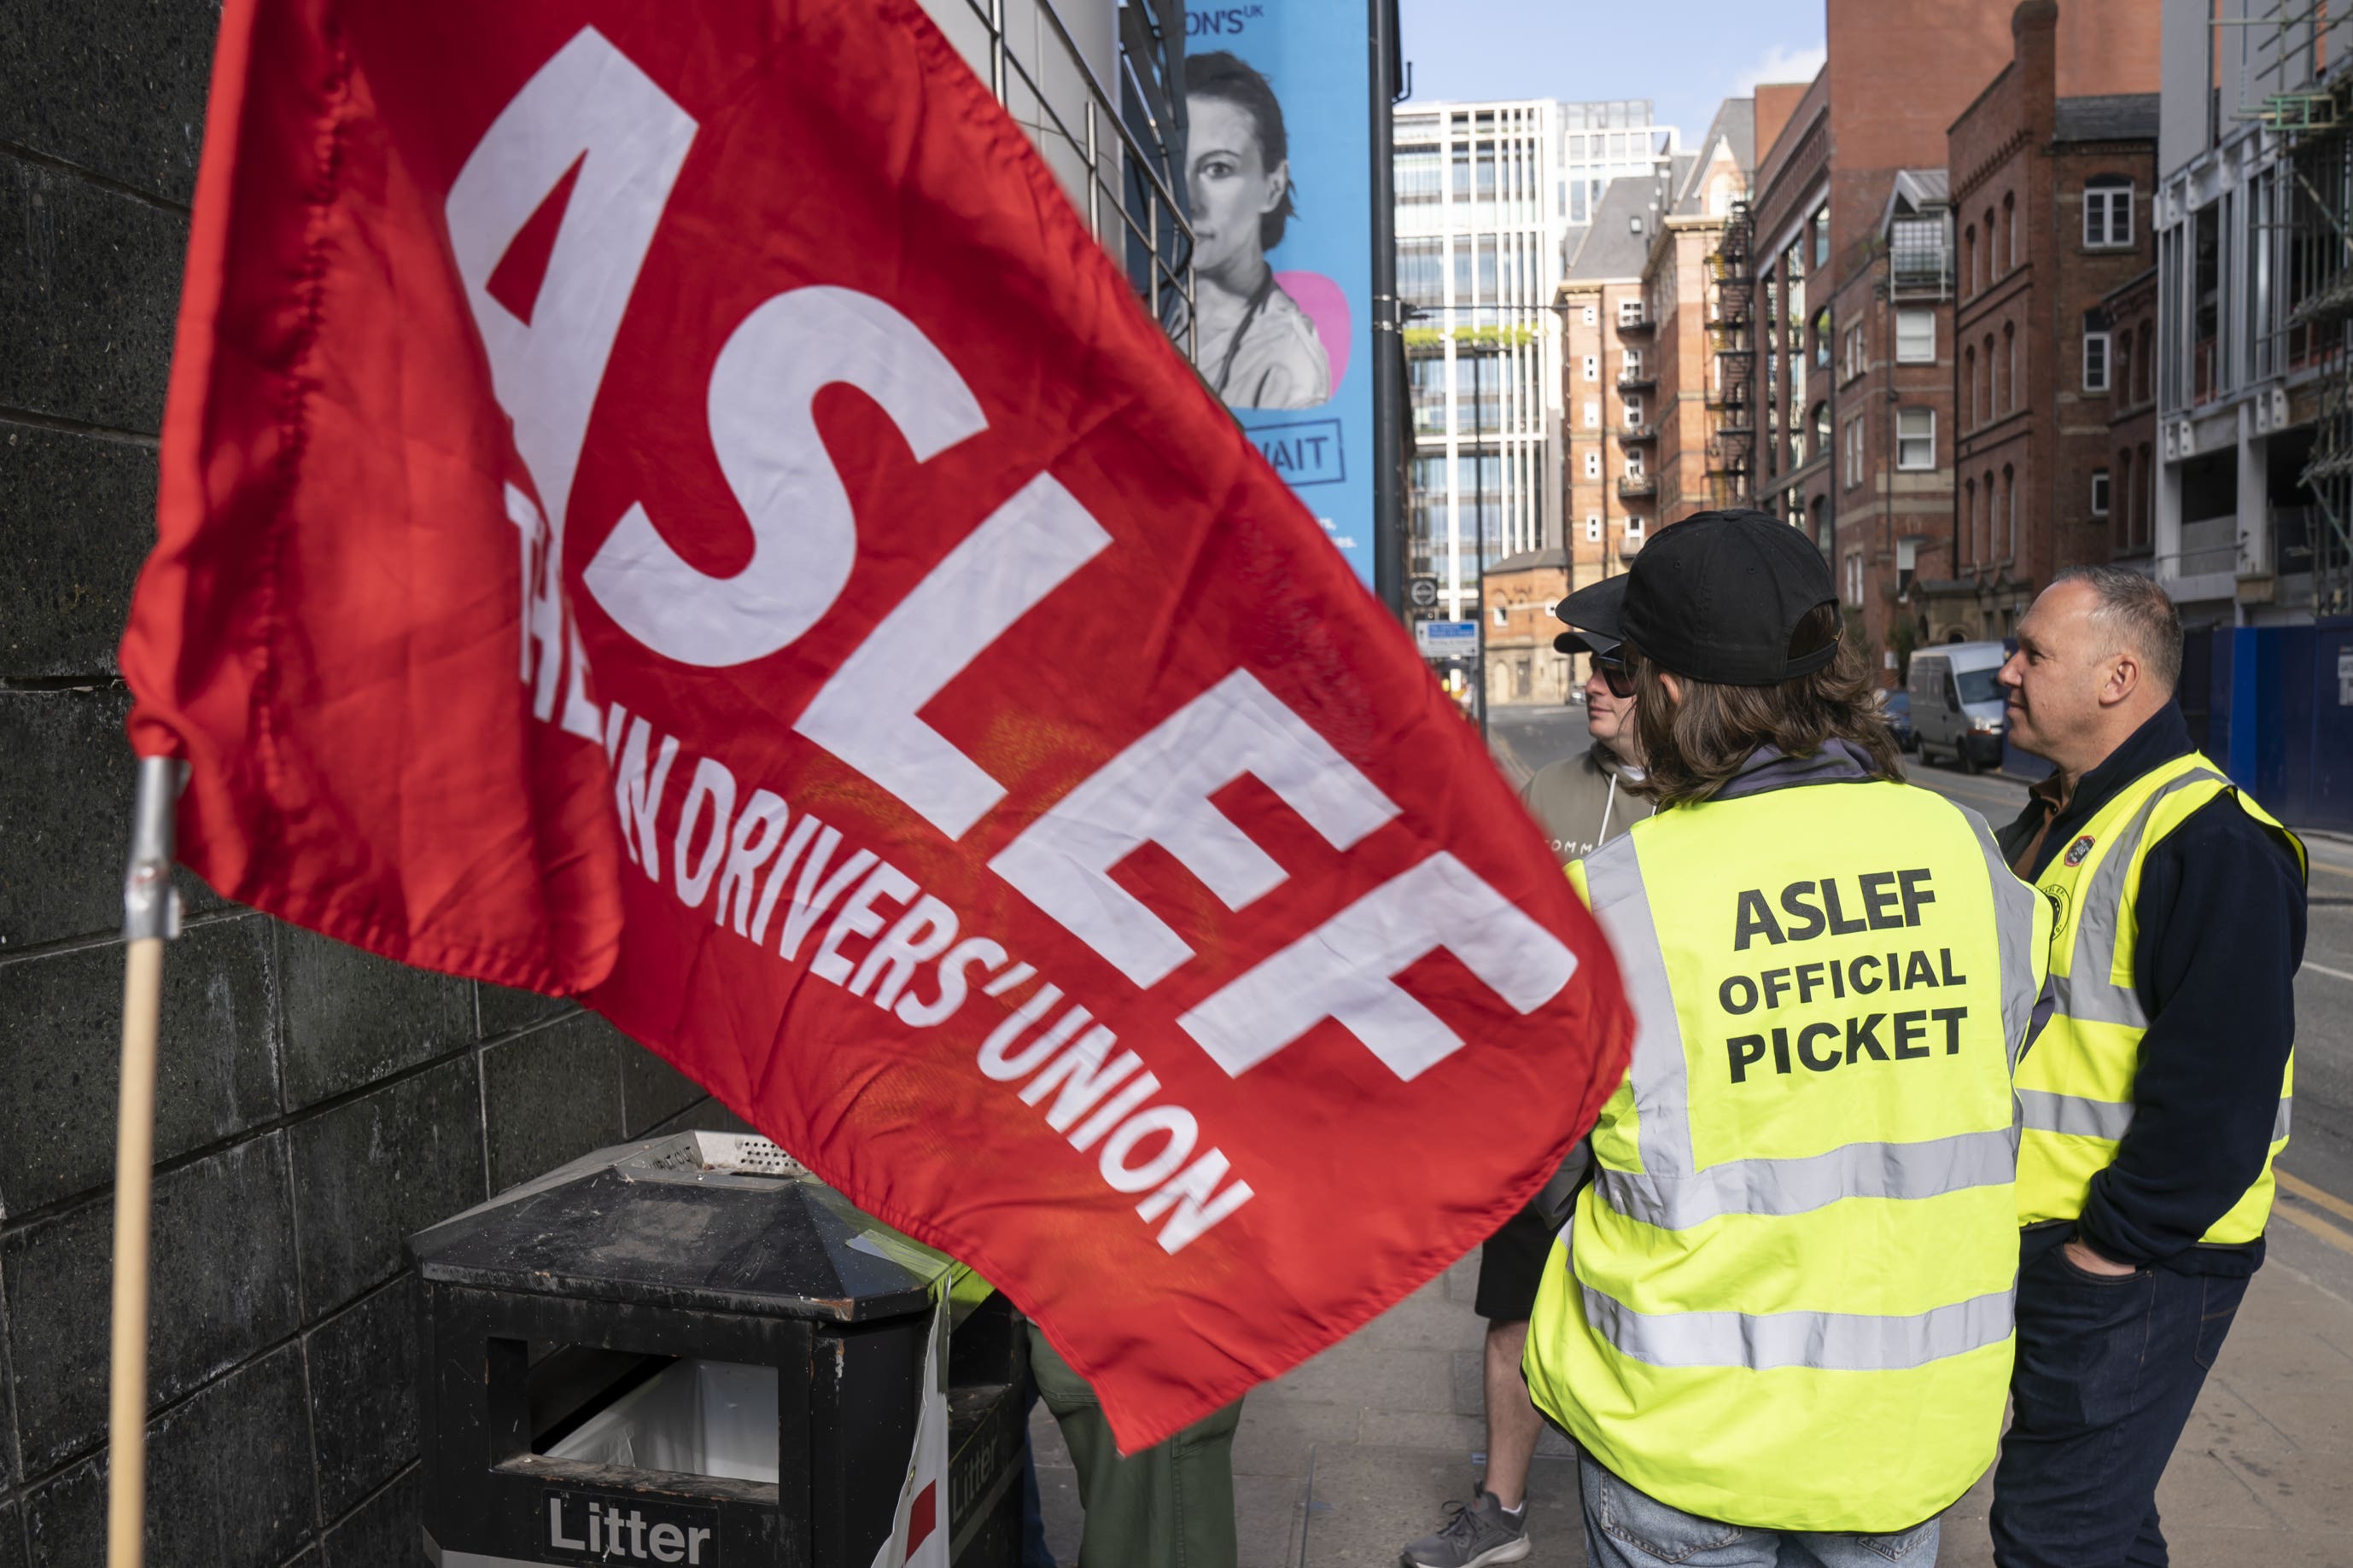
(2131, 489)
(2044, 197)
(1682, 293)
(1849, 245)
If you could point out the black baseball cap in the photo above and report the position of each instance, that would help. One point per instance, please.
(1604, 596)
(1716, 597)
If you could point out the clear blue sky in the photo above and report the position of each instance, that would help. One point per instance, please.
(1685, 56)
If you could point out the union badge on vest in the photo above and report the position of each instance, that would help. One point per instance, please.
(2077, 850)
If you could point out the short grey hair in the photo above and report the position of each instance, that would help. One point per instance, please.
(2140, 613)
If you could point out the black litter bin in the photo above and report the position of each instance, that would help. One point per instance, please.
(690, 1351)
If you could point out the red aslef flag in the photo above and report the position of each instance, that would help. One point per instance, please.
(667, 503)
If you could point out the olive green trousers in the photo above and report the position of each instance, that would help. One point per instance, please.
(1169, 1506)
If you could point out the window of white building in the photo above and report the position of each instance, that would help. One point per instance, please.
(1915, 438)
(1915, 337)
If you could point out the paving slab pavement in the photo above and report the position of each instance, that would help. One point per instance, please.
(1357, 1452)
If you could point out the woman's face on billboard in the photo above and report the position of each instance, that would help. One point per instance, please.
(1231, 189)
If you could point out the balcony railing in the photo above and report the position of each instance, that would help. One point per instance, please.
(1635, 380)
(1630, 485)
(1627, 323)
(1630, 434)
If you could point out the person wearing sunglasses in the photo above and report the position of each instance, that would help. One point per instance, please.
(1778, 1323)
(1581, 802)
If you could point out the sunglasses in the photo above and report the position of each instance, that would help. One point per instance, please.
(1617, 674)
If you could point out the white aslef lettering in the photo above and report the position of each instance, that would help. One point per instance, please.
(1157, 792)
(1347, 969)
(868, 713)
(762, 416)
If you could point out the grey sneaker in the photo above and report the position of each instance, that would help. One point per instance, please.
(1476, 1534)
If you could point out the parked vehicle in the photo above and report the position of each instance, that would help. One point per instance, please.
(1897, 706)
(1956, 705)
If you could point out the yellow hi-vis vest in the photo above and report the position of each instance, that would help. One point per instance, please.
(1785, 1300)
(2075, 1087)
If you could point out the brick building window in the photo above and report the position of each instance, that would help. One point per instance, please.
(1854, 352)
(1915, 337)
(1593, 367)
(1633, 530)
(1592, 316)
(2016, 346)
(1592, 528)
(1915, 438)
(2095, 362)
(2010, 222)
(2123, 491)
(1854, 451)
(1593, 414)
(2099, 492)
(1969, 258)
(1593, 465)
(2010, 513)
(1855, 578)
(1633, 411)
(2107, 211)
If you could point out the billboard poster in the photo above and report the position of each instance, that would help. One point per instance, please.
(1279, 176)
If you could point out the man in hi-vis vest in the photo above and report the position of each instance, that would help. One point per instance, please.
(2156, 1100)
(1780, 1315)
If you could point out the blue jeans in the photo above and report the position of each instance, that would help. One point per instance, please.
(2107, 1371)
(1625, 1527)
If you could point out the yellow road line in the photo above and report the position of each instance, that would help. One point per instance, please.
(2342, 1241)
(2319, 1196)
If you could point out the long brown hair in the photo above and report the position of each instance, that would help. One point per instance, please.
(1691, 748)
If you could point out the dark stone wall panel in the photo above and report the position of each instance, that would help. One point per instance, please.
(216, 1065)
(88, 299)
(65, 816)
(652, 1092)
(385, 1531)
(551, 1095)
(363, 1395)
(228, 1481)
(222, 1287)
(369, 1172)
(501, 1011)
(76, 517)
(352, 1018)
(118, 88)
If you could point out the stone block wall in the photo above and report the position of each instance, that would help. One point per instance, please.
(316, 1105)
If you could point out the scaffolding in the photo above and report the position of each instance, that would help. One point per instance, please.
(2301, 94)
(1731, 326)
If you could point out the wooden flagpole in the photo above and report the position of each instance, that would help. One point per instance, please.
(150, 916)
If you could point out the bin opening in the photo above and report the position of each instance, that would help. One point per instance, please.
(685, 1415)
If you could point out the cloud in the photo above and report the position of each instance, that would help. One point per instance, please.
(1782, 63)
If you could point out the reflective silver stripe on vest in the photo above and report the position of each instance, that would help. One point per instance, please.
(2013, 907)
(1669, 1191)
(2087, 991)
(1792, 1186)
(1833, 1341)
(2080, 1118)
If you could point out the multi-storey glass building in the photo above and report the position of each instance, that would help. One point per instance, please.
(1483, 194)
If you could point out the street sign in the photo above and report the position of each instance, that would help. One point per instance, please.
(1422, 592)
(1442, 640)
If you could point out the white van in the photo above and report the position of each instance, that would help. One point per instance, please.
(1956, 705)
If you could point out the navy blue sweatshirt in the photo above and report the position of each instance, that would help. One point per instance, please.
(2221, 917)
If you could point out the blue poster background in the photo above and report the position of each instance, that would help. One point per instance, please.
(1316, 56)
